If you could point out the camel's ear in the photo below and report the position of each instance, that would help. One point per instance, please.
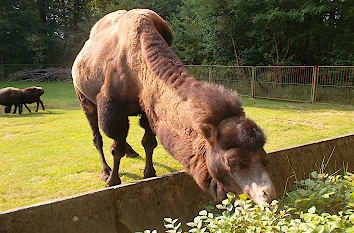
(210, 133)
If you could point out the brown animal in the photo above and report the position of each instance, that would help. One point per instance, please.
(14, 96)
(31, 95)
(11, 96)
(126, 68)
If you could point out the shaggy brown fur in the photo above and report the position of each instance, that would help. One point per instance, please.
(127, 68)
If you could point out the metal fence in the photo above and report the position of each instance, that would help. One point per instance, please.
(327, 84)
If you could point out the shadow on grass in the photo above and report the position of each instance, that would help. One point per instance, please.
(131, 176)
(30, 114)
(170, 169)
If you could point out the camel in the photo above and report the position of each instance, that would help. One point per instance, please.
(126, 68)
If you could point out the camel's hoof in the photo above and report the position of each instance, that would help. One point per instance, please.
(105, 173)
(112, 181)
(149, 173)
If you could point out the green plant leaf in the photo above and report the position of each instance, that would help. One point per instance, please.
(203, 213)
(314, 174)
(312, 210)
(230, 195)
(191, 224)
(243, 197)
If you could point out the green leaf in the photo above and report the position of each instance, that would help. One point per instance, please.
(203, 213)
(178, 226)
(312, 210)
(169, 225)
(191, 224)
(168, 220)
(230, 195)
(309, 182)
(243, 197)
(314, 174)
(199, 225)
(225, 202)
(220, 207)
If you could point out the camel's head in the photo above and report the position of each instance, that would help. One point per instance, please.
(237, 160)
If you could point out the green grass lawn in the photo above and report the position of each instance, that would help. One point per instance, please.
(50, 154)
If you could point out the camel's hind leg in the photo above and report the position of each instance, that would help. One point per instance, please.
(149, 142)
(90, 110)
(115, 124)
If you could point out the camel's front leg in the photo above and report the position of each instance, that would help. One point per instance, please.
(149, 142)
(114, 123)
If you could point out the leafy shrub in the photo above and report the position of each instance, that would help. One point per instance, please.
(324, 203)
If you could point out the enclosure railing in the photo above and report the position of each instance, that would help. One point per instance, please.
(327, 84)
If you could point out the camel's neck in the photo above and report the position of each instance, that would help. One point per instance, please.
(191, 153)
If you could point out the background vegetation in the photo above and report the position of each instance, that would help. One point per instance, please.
(49, 154)
(277, 32)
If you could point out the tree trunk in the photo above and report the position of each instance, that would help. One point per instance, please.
(234, 46)
(279, 75)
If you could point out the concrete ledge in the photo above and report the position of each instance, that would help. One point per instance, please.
(143, 205)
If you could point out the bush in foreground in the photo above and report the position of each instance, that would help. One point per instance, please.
(324, 203)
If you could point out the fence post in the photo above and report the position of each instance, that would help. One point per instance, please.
(253, 81)
(210, 72)
(314, 84)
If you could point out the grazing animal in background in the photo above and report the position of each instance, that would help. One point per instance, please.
(11, 96)
(14, 96)
(31, 95)
(126, 68)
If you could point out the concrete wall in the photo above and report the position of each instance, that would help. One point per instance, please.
(143, 205)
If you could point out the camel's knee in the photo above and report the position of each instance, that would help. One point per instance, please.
(118, 149)
(149, 141)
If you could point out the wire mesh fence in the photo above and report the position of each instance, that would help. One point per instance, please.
(238, 78)
(292, 83)
(335, 84)
(327, 84)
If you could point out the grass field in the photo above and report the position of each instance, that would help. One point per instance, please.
(49, 154)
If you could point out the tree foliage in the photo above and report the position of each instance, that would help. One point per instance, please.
(278, 32)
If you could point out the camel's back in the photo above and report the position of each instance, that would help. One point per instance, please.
(111, 57)
(89, 65)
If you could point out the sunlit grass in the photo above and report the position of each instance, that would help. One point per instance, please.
(49, 154)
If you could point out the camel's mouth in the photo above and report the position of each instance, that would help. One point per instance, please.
(256, 184)
(260, 194)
